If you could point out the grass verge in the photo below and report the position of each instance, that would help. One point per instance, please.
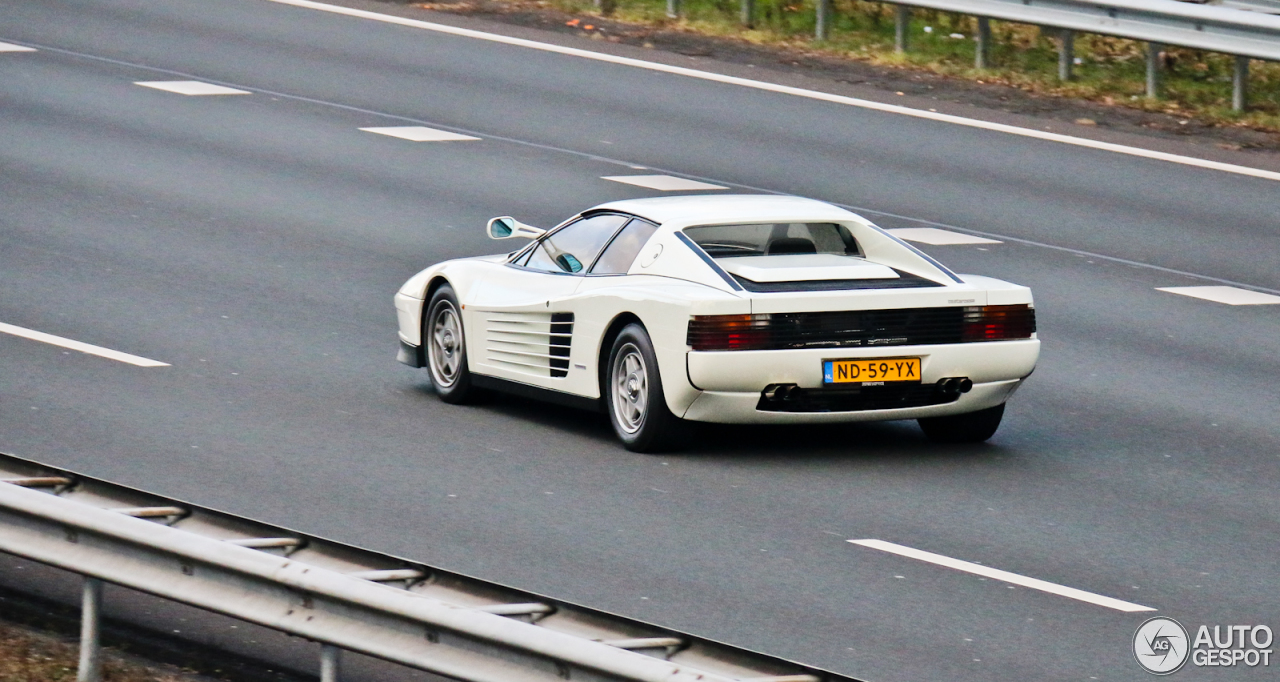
(28, 655)
(1111, 71)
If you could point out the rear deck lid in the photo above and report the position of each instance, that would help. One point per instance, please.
(804, 267)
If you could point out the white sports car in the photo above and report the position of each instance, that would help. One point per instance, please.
(731, 309)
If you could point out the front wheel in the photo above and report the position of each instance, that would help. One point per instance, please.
(633, 393)
(971, 427)
(447, 349)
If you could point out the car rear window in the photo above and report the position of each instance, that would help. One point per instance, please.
(773, 239)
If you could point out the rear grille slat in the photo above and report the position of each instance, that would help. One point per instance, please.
(857, 399)
(861, 328)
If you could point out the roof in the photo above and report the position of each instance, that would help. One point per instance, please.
(695, 209)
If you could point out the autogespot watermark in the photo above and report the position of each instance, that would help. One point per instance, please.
(1162, 646)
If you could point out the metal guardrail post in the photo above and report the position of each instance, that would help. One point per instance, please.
(330, 663)
(90, 669)
(982, 47)
(821, 26)
(748, 13)
(673, 9)
(1066, 54)
(901, 27)
(1240, 84)
(1153, 70)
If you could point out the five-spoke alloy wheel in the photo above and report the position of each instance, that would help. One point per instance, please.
(446, 347)
(633, 393)
(630, 388)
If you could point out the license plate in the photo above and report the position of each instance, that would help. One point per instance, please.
(870, 371)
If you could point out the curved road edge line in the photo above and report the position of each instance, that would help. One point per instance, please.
(789, 90)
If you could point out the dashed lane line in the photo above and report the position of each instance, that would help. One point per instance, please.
(663, 183)
(80, 346)
(935, 237)
(1003, 576)
(629, 164)
(1228, 295)
(196, 88)
(420, 134)
(788, 90)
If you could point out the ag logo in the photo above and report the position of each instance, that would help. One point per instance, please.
(1161, 645)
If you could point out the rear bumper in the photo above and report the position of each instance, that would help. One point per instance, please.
(724, 407)
(749, 371)
(731, 382)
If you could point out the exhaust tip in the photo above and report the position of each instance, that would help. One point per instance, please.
(954, 386)
(777, 393)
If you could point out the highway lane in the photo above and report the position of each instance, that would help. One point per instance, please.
(253, 243)
(1182, 218)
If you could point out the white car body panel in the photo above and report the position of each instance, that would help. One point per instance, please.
(808, 267)
(507, 314)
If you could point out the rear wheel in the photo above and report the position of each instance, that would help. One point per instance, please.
(972, 427)
(633, 394)
(447, 349)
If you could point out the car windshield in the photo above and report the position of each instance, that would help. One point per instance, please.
(773, 239)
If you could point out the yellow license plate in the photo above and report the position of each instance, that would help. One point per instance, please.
(870, 371)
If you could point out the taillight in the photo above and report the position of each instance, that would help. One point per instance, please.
(730, 332)
(999, 322)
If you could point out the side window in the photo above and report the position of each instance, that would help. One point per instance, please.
(572, 248)
(622, 251)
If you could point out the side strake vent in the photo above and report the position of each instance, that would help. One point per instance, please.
(561, 336)
(531, 343)
(861, 328)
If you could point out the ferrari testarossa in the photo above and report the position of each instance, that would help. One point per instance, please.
(730, 309)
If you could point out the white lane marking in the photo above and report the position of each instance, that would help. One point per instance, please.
(663, 183)
(1228, 295)
(191, 88)
(936, 237)
(80, 346)
(788, 90)
(605, 159)
(1005, 576)
(9, 47)
(420, 134)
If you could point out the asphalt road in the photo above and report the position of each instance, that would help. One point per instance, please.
(253, 242)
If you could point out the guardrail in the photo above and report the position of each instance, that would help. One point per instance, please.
(1243, 28)
(342, 597)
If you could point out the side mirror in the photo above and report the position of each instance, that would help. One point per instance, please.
(506, 227)
(568, 263)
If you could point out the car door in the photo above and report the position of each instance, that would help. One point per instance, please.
(520, 325)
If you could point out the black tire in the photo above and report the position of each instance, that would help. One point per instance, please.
(632, 391)
(444, 346)
(971, 427)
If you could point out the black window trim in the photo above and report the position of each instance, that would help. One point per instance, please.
(586, 272)
(634, 218)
